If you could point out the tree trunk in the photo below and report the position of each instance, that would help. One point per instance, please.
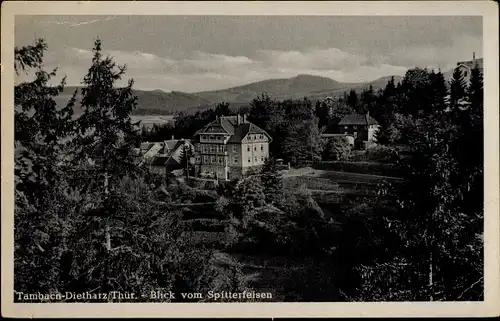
(107, 285)
(107, 232)
(431, 276)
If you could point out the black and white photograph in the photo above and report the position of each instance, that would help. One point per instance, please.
(239, 158)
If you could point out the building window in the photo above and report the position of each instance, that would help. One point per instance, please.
(355, 127)
(205, 149)
(234, 148)
(198, 159)
(224, 148)
(220, 160)
(205, 159)
(218, 137)
(212, 160)
(211, 137)
(261, 147)
(254, 148)
(261, 137)
(211, 149)
(355, 134)
(249, 160)
(248, 148)
(262, 158)
(256, 159)
(236, 160)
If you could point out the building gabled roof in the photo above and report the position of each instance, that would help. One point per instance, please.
(358, 119)
(173, 144)
(159, 160)
(229, 125)
(472, 63)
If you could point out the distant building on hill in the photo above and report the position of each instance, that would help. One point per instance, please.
(362, 127)
(228, 147)
(467, 66)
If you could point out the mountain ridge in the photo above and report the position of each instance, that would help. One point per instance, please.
(160, 102)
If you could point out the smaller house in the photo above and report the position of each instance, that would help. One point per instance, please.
(362, 128)
(164, 157)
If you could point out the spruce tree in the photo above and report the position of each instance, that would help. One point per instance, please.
(40, 213)
(222, 109)
(353, 101)
(458, 88)
(105, 141)
(322, 112)
(272, 180)
(439, 91)
(368, 101)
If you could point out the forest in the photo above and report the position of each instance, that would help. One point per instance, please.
(88, 218)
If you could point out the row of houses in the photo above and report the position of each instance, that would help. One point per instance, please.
(230, 146)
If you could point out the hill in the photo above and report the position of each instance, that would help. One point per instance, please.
(158, 102)
(155, 102)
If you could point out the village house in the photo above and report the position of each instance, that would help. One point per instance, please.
(164, 157)
(467, 66)
(228, 147)
(362, 127)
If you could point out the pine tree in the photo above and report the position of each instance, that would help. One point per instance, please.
(106, 138)
(322, 112)
(415, 94)
(272, 180)
(261, 111)
(222, 109)
(40, 214)
(458, 88)
(368, 101)
(353, 101)
(439, 91)
(386, 108)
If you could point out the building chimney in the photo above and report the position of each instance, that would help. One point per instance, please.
(474, 56)
(238, 119)
(173, 137)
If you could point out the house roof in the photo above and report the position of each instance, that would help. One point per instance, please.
(471, 63)
(159, 160)
(229, 125)
(146, 146)
(173, 144)
(358, 119)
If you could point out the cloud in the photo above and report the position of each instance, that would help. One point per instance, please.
(200, 71)
(73, 24)
(318, 59)
(432, 56)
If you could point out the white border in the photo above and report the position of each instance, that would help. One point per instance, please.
(489, 12)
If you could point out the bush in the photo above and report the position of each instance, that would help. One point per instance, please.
(382, 154)
(384, 169)
(336, 148)
(205, 224)
(378, 153)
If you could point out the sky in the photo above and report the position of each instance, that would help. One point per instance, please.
(198, 53)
